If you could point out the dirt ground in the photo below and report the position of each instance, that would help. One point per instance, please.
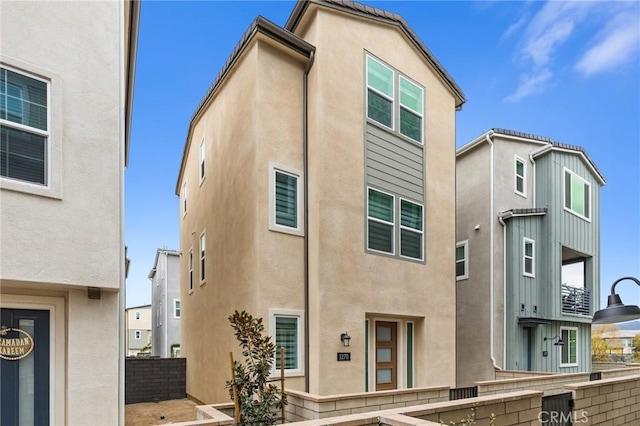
(159, 413)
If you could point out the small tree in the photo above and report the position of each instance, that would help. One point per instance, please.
(257, 398)
(636, 348)
(603, 342)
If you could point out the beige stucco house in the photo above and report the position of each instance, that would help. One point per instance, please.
(139, 331)
(66, 81)
(317, 192)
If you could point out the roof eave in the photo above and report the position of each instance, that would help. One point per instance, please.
(383, 16)
(260, 25)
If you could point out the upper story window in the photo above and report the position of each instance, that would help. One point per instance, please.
(528, 258)
(382, 221)
(577, 195)
(184, 198)
(285, 199)
(190, 267)
(202, 161)
(138, 334)
(384, 107)
(520, 176)
(176, 308)
(462, 265)
(137, 315)
(202, 258)
(24, 127)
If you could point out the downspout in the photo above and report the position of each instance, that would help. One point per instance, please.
(504, 291)
(491, 250)
(305, 168)
(533, 179)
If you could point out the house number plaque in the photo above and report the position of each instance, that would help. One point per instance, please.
(344, 356)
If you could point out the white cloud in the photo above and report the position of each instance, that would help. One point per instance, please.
(530, 84)
(619, 42)
(513, 28)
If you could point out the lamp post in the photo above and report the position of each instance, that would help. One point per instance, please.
(616, 311)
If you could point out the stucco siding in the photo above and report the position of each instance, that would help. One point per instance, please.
(348, 283)
(85, 136)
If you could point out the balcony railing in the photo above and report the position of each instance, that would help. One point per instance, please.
(576, 300)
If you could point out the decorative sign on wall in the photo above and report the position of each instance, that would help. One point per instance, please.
(344, 356)
(15, 343)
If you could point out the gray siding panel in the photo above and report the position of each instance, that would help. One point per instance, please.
(394, 164)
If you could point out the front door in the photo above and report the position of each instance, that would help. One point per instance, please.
(527, 348)
(386, 355)
(24, 388)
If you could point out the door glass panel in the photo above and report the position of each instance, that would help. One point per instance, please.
(384, 375)
(384, 334)
(384, 354)
(26, 381)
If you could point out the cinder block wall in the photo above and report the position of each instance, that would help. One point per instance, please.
(614, 401)
(155, 379)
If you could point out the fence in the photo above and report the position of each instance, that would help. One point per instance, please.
(462, 393)
(154, 379)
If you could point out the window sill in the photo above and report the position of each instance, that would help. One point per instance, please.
(203, 283)
(294, 373)
(568, 365)
(30, 188)
(578, 215)
(462, 278)
(285, 230)
(191, 291)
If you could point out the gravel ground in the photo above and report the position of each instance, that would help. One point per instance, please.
(159, 413)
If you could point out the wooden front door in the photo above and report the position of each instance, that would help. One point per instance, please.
(386, 355)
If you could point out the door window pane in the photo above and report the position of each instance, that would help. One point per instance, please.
(384, 375)
(384, 355)
(383, 334)
(26, 379)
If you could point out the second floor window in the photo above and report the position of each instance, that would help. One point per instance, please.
(462, 266)
(570, 348)
(202, 257)
(286, 203)
(528, 259)
(184, 198)
(24, 127)
(176, 308)
(190, 266)
(382, 221)
(137, 315)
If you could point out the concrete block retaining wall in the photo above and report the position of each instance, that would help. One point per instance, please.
(155, 379)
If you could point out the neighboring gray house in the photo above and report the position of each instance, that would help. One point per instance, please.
(165, 304)
(527, 255)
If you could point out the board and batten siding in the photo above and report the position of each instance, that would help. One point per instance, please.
(565, 229)
(394, 164)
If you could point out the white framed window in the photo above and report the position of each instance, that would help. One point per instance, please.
(577, 195)
(24, 127)
(202, 258)
(159, 315)
(190, 269)
(380, 221)
(569, 336)
(384, 108)
(203, 166)
(411, 108)
(176, 308)
(462, 264)
(528, 257)
(520, 176)
(411, 230)
(286, 199)
(286, 330)
(138, 334)
(380, 92)
(184, 199)
(137, 315)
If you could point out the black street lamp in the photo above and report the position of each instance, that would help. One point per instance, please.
(616, 311)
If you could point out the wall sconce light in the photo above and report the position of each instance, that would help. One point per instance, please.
(345, 339)
(616, 311)
(560, 342)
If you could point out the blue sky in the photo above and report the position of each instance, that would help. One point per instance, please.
(565, 70)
